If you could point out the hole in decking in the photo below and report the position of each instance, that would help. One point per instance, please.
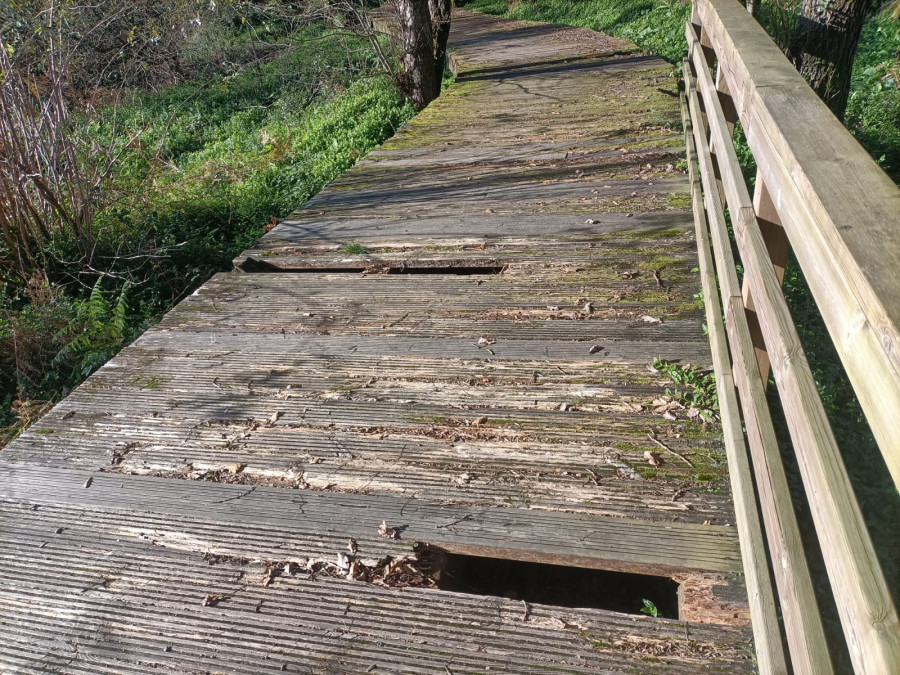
(253, 265)
(550, 584)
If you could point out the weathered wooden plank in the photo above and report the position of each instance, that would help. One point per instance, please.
(589, 541)
(450, 464)
(405, 230)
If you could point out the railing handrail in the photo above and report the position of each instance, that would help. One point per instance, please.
(840, 211)
(818, 192)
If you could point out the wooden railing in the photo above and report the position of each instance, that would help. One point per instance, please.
(819, 194)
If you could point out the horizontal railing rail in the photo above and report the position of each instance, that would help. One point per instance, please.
(818, 194)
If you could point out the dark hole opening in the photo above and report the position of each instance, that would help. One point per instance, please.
(253, 265)
(551, 584)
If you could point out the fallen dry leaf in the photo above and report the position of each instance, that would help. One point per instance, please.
(271, 572)
(594, 349)
(479, 421)
(652, 458)
(211, 600)
(386, 531)
(352, 547)
(650, 319)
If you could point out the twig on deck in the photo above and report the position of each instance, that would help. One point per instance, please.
(391, 325)
(680, 492)
(652, 437)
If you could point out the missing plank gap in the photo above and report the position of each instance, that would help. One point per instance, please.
(548, 584)
(464, 268)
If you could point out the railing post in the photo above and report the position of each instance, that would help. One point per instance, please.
(769, 224)
(778, 246)
(731, 116)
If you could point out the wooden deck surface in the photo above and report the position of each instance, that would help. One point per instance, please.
(478, 381)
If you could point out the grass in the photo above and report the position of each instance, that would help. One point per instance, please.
(873, 111)
(355, 248)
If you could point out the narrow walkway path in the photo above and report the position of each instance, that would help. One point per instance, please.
(453, 340)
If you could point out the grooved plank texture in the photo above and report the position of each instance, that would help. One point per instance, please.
(477, 379)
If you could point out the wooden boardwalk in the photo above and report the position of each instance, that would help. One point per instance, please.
(477, 381)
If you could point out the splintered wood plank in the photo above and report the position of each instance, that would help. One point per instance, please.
(484, 414)
(603, 543)
(92, 588)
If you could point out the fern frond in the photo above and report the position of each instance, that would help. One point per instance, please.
(98, 307)
(119, 321)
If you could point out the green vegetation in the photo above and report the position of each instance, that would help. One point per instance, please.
(201, 169)
(873, 111)
(355, 248)
(649, 608)
(698, 386)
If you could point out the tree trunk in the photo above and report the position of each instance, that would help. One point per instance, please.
(420, 79)
(824, 45)
(440, 25)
